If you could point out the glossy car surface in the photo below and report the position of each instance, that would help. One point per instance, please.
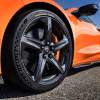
(85, 34)
(86, 40)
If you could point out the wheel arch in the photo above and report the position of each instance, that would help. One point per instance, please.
(27, 7)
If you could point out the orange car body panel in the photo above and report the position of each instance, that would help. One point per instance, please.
(86, 41)
(7, 9)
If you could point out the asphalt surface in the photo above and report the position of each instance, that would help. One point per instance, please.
(84, 84)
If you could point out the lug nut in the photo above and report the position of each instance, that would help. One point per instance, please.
(53, 54)
(42, 47)
(48, 43)
(52, 44)
(44, 56)
(52, 48)
(50, 55)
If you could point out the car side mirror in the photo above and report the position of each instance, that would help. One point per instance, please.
(86, 10)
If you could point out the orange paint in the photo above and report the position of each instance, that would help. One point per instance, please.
(86, 36)
(86, 40)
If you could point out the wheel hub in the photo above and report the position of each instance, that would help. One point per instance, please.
(47, 49)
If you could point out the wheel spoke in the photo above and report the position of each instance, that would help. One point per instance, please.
(48, 29)
(40, 33)
(36, 44)
(61, 44)
(45, 38)
(57, 65)
(40, 67)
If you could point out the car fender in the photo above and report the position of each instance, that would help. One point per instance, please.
(9, 8)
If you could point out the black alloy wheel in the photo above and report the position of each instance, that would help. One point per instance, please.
(41, 51)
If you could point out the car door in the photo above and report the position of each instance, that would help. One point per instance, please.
(87, 41)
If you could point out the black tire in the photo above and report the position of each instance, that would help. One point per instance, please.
(19, 52)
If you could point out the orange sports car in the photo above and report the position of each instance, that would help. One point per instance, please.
(42, 40)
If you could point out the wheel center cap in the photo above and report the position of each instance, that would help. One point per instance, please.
(46, 49)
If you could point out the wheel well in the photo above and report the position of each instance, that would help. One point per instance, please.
(39, 5)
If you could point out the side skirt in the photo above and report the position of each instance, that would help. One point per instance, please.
(83, 67)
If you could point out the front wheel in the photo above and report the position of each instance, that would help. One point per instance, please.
(40, 49)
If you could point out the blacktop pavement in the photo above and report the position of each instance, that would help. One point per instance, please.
(82, 84)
